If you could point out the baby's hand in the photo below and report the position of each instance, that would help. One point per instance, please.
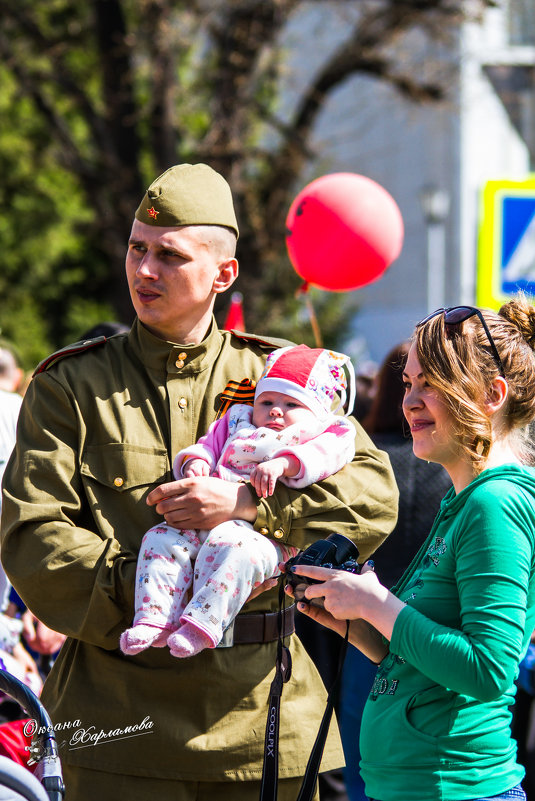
(265, 475)
(196, 467)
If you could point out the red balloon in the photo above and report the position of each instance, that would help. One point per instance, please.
(344, 231)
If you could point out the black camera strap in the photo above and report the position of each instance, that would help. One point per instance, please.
(283, 670)
(311, 774)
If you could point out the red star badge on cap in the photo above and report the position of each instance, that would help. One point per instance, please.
(153, 213)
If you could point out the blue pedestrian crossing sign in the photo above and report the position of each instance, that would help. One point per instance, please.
(506, 251)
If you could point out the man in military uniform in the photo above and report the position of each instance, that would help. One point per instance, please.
(91, 472)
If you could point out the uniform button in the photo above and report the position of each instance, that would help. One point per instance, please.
(278, 534)
(182, 355)
(264, 532)
(182, 403)
(179, 363)
(119, 481)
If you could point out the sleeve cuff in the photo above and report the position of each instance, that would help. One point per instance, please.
(396, 642)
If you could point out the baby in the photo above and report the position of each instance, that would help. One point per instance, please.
(290, 434)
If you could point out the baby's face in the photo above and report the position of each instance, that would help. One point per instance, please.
(277, 411)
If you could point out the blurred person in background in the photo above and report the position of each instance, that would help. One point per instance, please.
(11, 377)
(365, 381)
(38, 640)
(105, 329)
(13, 656)
(523, 725)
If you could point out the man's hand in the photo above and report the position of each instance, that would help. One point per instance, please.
(202, 502)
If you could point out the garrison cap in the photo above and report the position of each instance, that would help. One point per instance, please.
(188, 194)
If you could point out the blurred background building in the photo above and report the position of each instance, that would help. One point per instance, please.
(435, 159)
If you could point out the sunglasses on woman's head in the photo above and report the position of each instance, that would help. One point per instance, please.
(453, 319)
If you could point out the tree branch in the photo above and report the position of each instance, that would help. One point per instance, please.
(161, 38)
(240, 34)
(32, 87)
(117, 77)
(367, 51)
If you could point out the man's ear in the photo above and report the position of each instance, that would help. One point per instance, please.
(499, 390)
(227, 274)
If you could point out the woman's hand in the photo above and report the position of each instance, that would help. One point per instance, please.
(361, 634)
(347, 596)
(360, 598)
(317, 613)
(322, 617)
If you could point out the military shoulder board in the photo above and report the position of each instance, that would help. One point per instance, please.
(70, 350)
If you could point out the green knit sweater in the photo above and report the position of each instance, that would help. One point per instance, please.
(437, 722)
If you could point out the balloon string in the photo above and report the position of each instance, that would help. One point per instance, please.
(314, 323)
(303, 290)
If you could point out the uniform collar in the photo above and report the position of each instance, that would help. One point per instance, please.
(171, 357)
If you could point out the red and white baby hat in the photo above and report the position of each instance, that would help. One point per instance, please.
(313, 376)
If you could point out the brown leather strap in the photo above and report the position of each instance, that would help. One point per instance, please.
(262, 626)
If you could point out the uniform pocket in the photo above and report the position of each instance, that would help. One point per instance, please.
(122, 467)
(117, 479)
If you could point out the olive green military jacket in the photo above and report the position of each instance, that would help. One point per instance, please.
(97, 431)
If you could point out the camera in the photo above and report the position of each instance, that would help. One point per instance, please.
(335, 552)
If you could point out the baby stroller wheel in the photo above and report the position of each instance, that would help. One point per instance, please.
(47, 778)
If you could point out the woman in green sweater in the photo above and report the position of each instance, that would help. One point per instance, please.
(449, 636)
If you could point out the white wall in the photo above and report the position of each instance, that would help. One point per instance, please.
(490, 147)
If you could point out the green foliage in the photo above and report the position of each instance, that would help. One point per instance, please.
(98, 97)
(44, 223)
(21, 323)
(83, 314)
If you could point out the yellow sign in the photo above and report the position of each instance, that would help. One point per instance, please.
(506, 248)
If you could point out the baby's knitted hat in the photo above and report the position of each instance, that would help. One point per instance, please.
(311, 375)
